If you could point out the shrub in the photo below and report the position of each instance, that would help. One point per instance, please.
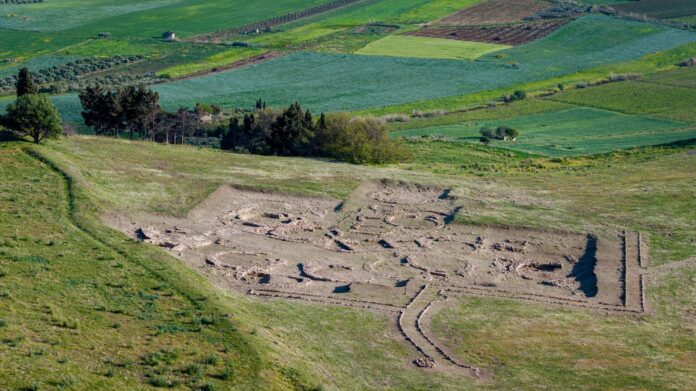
(359, 141)
(520, 95)
(213, 359)
(487, 133)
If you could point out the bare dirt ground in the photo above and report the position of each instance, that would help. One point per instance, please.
(495, 12)
(394, 248)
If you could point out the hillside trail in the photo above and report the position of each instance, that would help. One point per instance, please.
(411, 325)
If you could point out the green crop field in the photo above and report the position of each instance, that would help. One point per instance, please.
(411, 46)
(578, 131)
(682, 77)
(660, 8)
(217, 60)
(359, 82)
(637, 97)
(185, 17)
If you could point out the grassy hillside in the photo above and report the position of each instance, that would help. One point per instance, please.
(604, 193)
(79, 312)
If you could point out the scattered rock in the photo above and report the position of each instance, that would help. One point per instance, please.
(425, 362)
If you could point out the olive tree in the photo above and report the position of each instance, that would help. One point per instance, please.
(35, 116)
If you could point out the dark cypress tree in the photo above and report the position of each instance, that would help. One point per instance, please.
(249, 131)
(322, 122)
(229, 139)
(308, 121)
(25, 83)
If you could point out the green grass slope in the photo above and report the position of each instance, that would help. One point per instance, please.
(339, 348)
(77, 312)
(143, 317)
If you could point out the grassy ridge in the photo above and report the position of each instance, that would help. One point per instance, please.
(100, 318)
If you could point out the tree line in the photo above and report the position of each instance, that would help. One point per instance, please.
(136, 111)
(296, 132)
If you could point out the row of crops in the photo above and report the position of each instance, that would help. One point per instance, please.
(20, 1)
(361, 81)
(266, 25)
(577, 131)
(71, 73)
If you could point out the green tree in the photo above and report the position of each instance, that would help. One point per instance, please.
(102, 110)
(229, 139)
(35, 116)
(25, 83)
(292, 132)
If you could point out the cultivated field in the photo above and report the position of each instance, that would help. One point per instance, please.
(517, 34)
(360, 83)
(578, 131)
(663, 9)
(422, 47)
(638, 97)
(495, 12)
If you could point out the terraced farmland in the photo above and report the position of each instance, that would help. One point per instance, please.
(422, 47)
(578, 131)
(663, 9)
(517, 34)
(638, 97)
(216, 61)
(495, 12)
(359, 82)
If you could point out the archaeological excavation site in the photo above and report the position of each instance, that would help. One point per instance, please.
(396, 248)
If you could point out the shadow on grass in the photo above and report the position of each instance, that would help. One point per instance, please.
(7, 136)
